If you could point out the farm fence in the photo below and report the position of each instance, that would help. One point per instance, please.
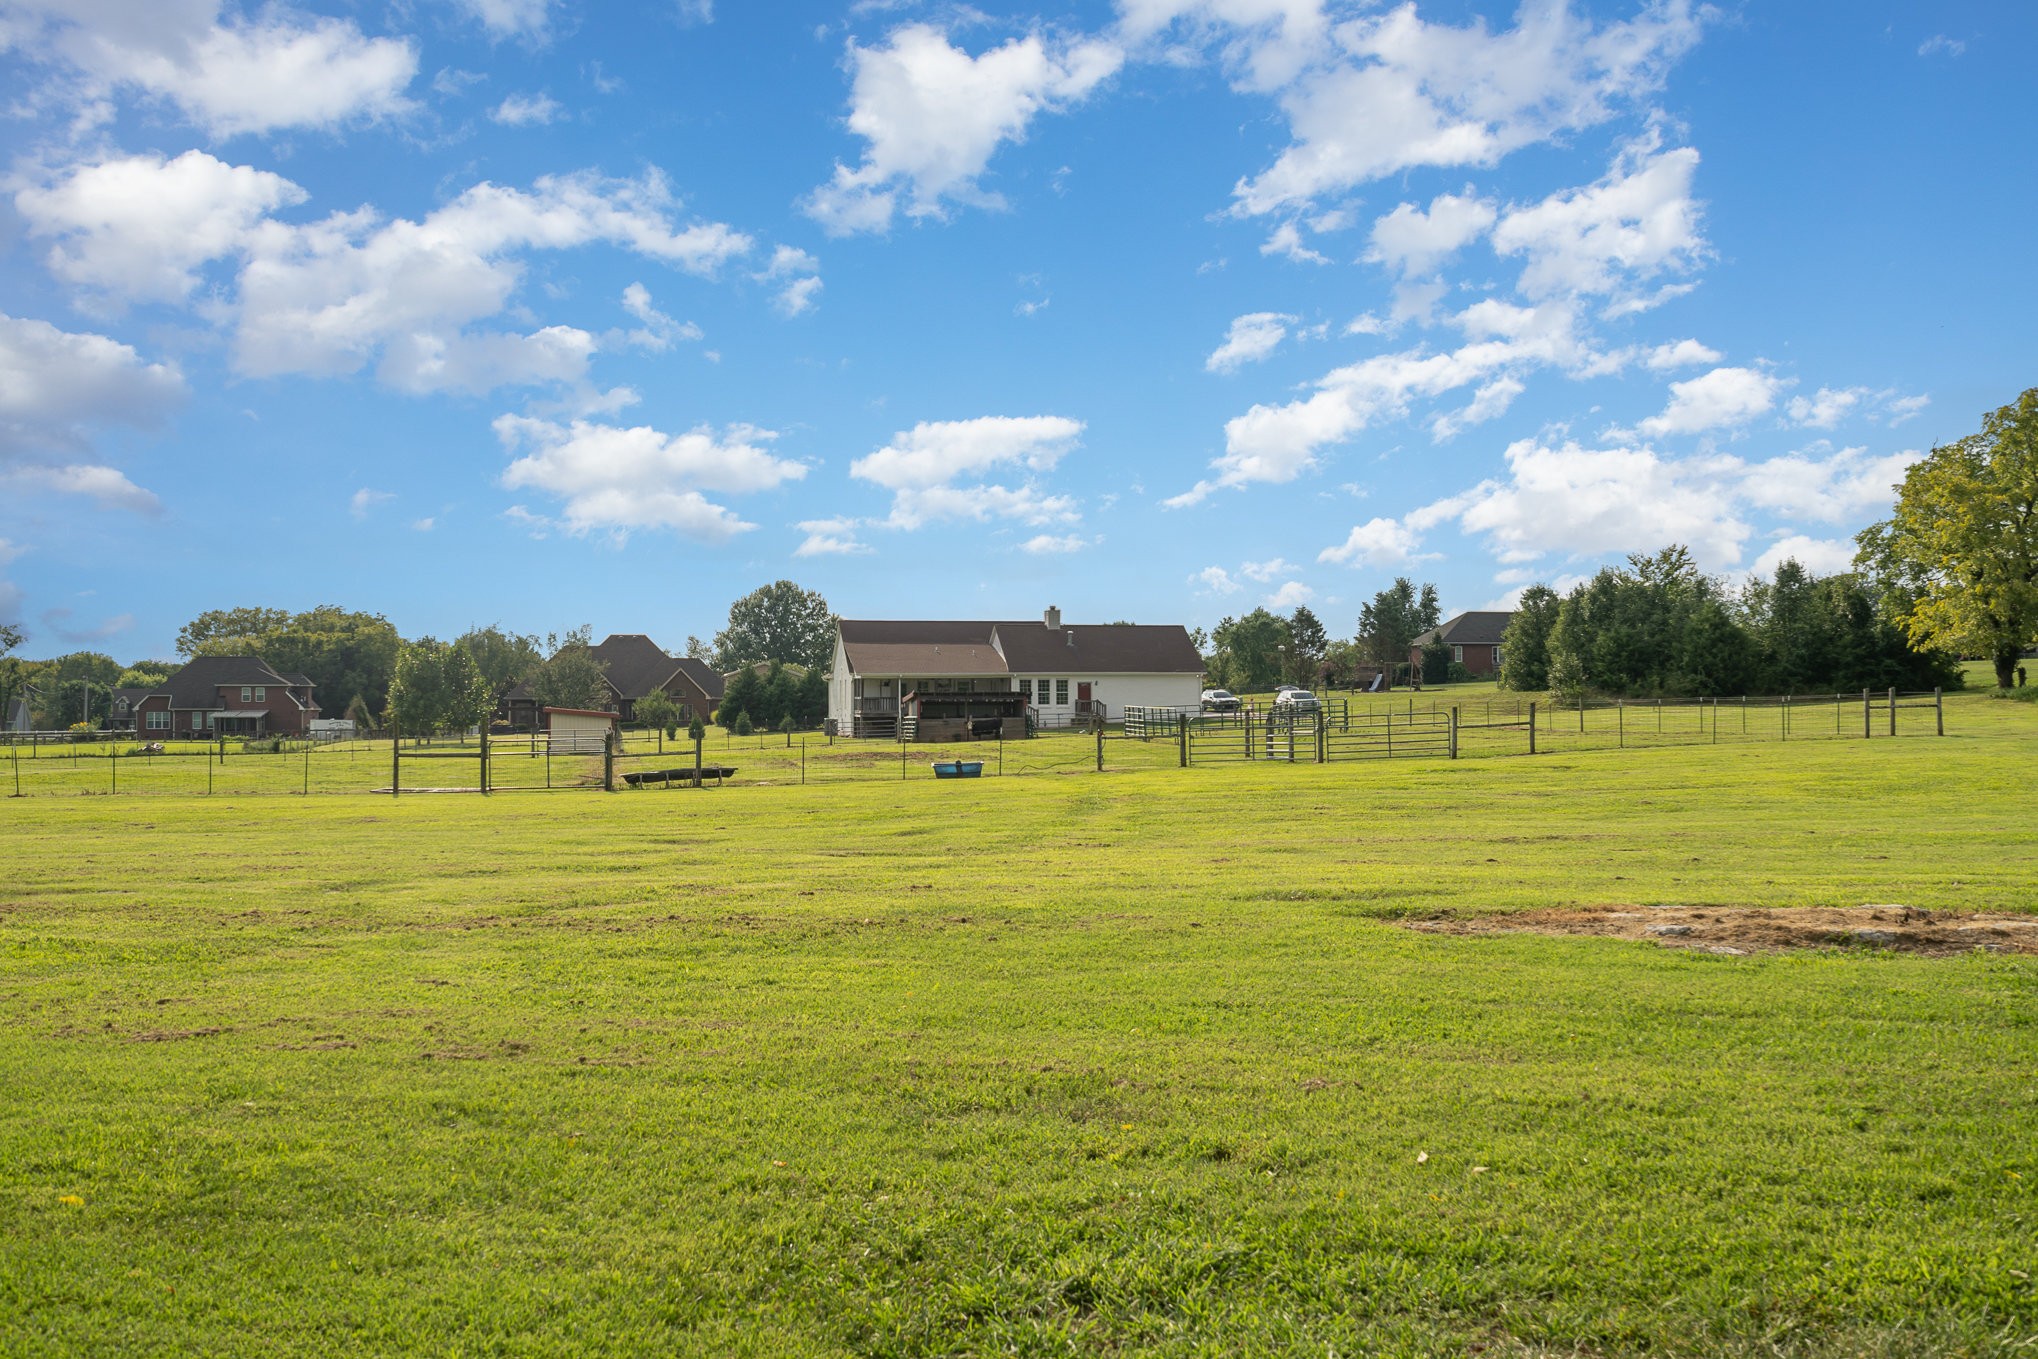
(1401, 727)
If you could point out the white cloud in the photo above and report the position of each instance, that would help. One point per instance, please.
(327, 298)
(1414, 241)
(1049, 545)
(1276, 444)
(1216, 580)
(524, 110)
(139, 227)
(366, 499)
(1286, 239)
(831, 538)
(1725, 396)
(658, 331)
(1665, 358)
(620, 480)
(1843, 487)
(56, 386)
(922, 466)
(1581, 503)
(107, 486)
(1490, 402)
(1267, 570)
(1820, 556)
(423, 525)
(510, 18)
(799, 274)
(933, 116)
(1252, 337)
(1831, 405)
(9, 551)
(1638, 222)
(1381, 93)
(1291, 594)
(273, 71)
(1377, 542)
(1939, 43)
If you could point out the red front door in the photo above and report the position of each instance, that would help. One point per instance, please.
(1082, 697)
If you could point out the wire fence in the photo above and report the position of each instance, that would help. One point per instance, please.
(1403, 728)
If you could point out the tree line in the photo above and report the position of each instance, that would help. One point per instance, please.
(361, 668)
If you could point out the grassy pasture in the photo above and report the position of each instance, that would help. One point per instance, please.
(1139, 1063)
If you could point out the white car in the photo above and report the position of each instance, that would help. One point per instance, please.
(1297, 701)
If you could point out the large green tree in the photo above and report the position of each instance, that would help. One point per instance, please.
(342, 652)
(437, 688)
(777, 622)
(1397, 615)
(1307, 642)
(1957, 562)
(1250, 653)
(12, 678)
(1525, 646)
(571, 677)
(502, 657)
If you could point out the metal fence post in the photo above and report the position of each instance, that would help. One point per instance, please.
(1182, 731)
(1620, 723)
(113, 763)
(307, 769)
(395, 758)
(484, 757)
(1939, 709)
(1892, 712)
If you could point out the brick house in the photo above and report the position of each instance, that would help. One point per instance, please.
(633, 665)
(1474, 639)
(226, 696)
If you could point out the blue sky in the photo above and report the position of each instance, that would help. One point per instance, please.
(546, 312)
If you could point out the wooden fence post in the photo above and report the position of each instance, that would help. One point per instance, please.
(1454, 731)
(1892, 712)
(1532, 726)
(395, 758)
(1100, 745)
(1939, 709)
(608, 761)
(1867, 718)
(1620, 723)
(484, 757)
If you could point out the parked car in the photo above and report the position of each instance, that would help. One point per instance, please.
(1296, 701)
(1220, 701)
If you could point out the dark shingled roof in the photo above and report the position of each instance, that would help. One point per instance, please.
(636, 665)
(1100, 648)
(1470, 629)
(706, 676)
(962, 647)
(197, 684)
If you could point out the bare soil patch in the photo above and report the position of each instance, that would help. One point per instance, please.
(1758, 929)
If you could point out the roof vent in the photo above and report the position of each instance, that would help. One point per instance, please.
(1072, 639)
(1052, 617)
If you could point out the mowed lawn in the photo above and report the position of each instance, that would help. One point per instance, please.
(1127, 1063)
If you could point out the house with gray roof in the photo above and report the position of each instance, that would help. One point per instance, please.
(1474, 639)
(633, 665)
(1055, 674)
(226, 696)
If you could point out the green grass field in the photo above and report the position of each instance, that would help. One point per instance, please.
(1130, 1063)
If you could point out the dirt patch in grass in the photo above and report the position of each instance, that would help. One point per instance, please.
(1755, 929)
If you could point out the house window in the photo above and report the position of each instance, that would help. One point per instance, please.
(1061, 691)
(261, 694)
(1458, 654)
(1496, 658)
(159, 721)
(247, 694)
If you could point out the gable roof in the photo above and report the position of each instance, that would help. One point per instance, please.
(705, 677)
(965, 647)
(635, 664)
(197, 684)
(1100, 648)
(1478, 628)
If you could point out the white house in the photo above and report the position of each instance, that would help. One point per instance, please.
(1065, 673)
